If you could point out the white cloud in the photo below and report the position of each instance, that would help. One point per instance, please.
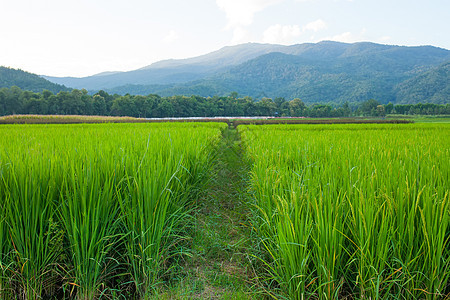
(240, 35)
(279, 34)
(349, 37)
(315, 25)
(385, 38)
(346, 37)
(171, 37)
(241, 12)
(288, 34)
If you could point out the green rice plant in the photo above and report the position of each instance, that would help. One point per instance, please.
(150, 223)
(284, 236)
(89, 215)
(292, 246)
(370, 234)
(376, 201)
(29, 213)
(436, 266)
(82, 205)
(5, 247)
(162, 205)
(329, 218)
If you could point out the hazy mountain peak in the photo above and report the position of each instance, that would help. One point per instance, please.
(27, 81)
(228, 55)
(107, 73)
(322, 72)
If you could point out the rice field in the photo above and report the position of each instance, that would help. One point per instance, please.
(351, 211)
(97, 210)
(337, 211)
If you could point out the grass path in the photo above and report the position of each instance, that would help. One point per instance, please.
(219, 267)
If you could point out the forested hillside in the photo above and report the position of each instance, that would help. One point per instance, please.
(79, 102)
(27, 81)
(431, 86)
(328, 72)
(324, 72)
(172, 71)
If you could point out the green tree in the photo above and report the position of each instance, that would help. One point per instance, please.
(266, 107)
(99, 105)
(165, 109)
(280, 106)
(124, 106)
(368, 108)
(347, 111)
(249, 106)
(13, 102)
(3, 95)
(381, 111)
(297, 108)
(389, 108)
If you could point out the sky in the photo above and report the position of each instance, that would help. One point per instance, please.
(85, 37)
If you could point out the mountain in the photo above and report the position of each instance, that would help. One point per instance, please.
(315, 72)
(27, 81)
(225, 57)
(431, 86)
(355, 73)
(172, 71)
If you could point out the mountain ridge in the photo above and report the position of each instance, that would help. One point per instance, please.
(326, 71)
(27, 81)
(349, 72)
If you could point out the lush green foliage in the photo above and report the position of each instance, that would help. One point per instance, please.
(352, 210)
(91, 210)
(431, 85)
(368, 73)
(325, 72)
(27, 81)
(76, 102)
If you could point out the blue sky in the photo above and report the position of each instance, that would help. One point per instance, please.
(80, 38)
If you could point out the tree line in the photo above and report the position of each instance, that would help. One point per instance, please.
(78, 102)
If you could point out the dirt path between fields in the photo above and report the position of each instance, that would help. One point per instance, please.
(220, 264)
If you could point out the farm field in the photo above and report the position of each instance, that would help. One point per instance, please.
(206, 211)
(89, 119)
(358, 211)
(97, 210)
(77, 119)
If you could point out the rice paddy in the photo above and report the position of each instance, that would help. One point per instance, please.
(91, 211)
(335, 211)
(358, 211)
